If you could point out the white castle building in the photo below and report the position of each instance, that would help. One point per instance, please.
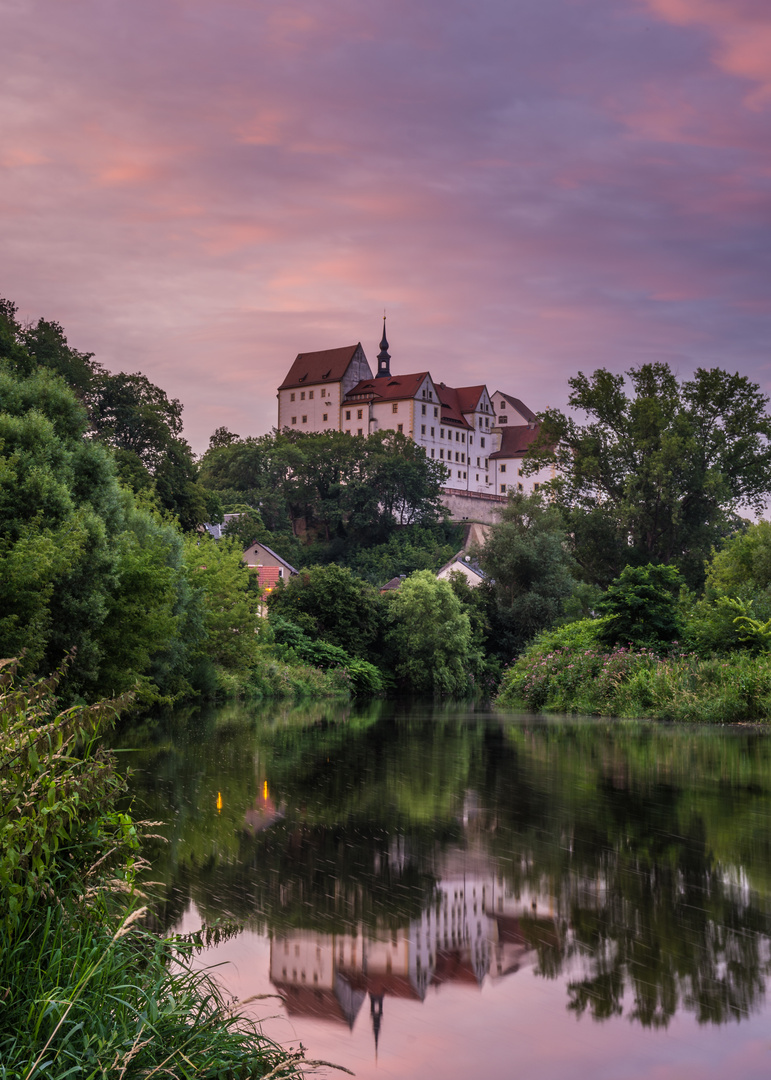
(479, 437)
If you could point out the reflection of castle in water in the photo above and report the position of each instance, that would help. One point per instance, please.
(472, 930)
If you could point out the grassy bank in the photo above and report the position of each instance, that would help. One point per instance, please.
(85, 990)
(557, 674)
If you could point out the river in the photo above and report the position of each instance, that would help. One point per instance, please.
(457, 893)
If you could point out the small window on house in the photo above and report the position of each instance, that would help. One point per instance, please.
(503, 468)
(463, 458)
(536, 487)
(347, 414)
(431, 395)
(291, 397)
(436, 411)
(280, 571)
(487, 463)
(482, 441)
(360, 431)
(359, 414)
(395, 407)
(459, 474)
(441, 455)
(347, 431)
(305, 419)
(323, 393)
(463, 438)
(464, 476)
(422, 429)
(302, 396)
(477, 479)
(457, 436)
(433, 453)
(503, 419)
(470, 439)
(400, 427)
(294, 419)
(432, 433)
(480, 421)
(325, 416)
(457, 456)
(519, 487)
(441, 432)
(310, 395)
(503, 489)
(423, 408)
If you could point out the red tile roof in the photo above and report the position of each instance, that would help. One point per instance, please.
(395, 388)
(329, 365)
(517, 440)
(468, 397)
(452, 413)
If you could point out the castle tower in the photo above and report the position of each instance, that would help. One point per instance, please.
(383, 357)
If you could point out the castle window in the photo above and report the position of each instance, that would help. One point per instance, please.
(310, 395)
(294, 419)
(323, 393)
(463, 458)
(464, 476)
(432, 433)
(483, 443)
(400, 427)
(433, 453)
(436, 411)
(441, 432)
(470, 439)
(305, 419)
(359, 432)
(503, 489)
(324, 416)
(422, 429)
(536, 487)
(291, 397)
(519, 487)
(487, 421)
(302, 396)
(503, 468)
(457, 436)
(347, 414)
(423, 407)
(358, 414)
(457, 458)
(441, 455)
(395, 407)
(463, 438)
(477, 479)
(480, 421)
(503, 419)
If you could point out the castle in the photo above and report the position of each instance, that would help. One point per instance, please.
(479, 437)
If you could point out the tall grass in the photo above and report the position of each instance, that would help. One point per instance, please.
(640, 683)
(85, 991)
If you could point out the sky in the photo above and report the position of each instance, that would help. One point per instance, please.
(201, 189)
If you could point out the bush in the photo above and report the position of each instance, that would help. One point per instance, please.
(641, 606)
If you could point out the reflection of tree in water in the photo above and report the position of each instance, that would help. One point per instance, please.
(645, 840)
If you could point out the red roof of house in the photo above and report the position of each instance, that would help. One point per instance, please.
(395, 388)
(468, 397)
(517, 440)
(329, 365)
(452, 413)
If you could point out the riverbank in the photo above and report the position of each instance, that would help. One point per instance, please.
(581, 677)
(85, 988)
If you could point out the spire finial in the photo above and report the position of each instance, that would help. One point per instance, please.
(384, 358)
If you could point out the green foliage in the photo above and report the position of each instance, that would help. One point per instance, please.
(665, 467)
(642, 606)
(365, 678)
(429, 637)
(531, 571)
(86, 991)
(331, 603)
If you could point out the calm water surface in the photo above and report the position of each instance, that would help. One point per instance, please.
(449, 893)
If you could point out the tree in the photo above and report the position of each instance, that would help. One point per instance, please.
(331, 603)
(641, 606)
(530, 568)
(667, 466)
(429, 637)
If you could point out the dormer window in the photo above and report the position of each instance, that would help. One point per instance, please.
(327, 374)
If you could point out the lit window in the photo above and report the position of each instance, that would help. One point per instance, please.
(291, 397)
(310, 395)
(359, 414)
(294, 419)
(503, 468)
(347, 414)
(324, 416)
(395, 407)
(305, 419)
(302, 396)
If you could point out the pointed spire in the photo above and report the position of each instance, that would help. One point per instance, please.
(383, 357)
(376, 1008)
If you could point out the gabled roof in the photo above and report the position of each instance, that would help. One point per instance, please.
(518, 405)
(459, 560)
(468, 397)
(452, 413)
(395, 388)
(516, 440)
(273, 554)
(329, 365)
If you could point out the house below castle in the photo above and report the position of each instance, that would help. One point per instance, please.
(479, 437)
